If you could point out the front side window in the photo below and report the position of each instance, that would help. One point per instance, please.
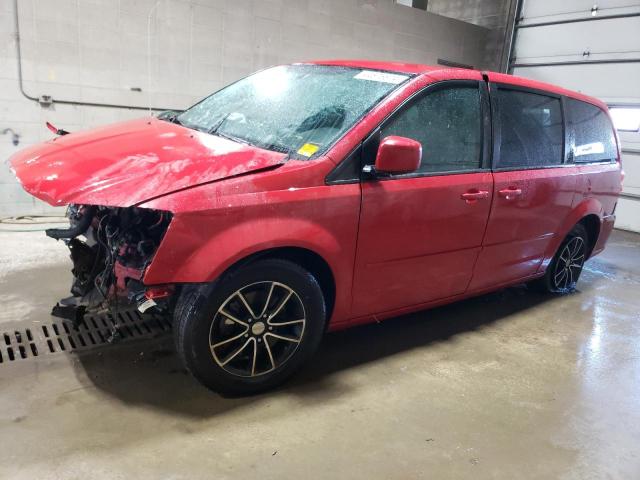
(296, 109)
(448, 124)
(530, 129)
(590, 133)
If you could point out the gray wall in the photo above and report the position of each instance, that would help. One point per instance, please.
(492, 14)
(486, 13)
(96, 51)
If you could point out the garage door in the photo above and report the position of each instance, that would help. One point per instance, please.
(594, 48)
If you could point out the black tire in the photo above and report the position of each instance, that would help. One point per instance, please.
(565, 268)
(206, 338)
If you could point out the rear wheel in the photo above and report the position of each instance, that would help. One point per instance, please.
(252, 329)
(566, 266)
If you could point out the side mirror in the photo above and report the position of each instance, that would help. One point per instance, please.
(398, 155)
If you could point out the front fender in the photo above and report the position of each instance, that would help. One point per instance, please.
(191, 255)
(200, 245)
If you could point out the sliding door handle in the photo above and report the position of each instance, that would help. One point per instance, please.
(509, 193)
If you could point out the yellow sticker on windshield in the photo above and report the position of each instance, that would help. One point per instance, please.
(308, 149)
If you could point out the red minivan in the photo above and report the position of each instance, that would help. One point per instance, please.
(317, 196)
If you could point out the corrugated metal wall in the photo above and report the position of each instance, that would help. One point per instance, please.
(593, 47)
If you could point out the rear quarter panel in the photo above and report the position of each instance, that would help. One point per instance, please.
(597, 190)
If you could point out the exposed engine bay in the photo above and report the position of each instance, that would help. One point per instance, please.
(110, 249)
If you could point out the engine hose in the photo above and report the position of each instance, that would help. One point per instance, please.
(72, 232)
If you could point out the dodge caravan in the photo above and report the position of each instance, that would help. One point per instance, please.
(317, 196)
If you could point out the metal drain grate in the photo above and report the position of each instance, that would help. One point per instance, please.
(17, 344)
(58, 336)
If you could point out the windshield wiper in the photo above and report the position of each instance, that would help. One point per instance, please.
(276, 147)
(213, 130)
(230, 137)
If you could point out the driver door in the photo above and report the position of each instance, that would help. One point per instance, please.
(420, 233)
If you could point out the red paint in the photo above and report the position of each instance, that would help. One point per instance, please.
(161, 291)
(528, 83)
(418, 240)
(393, 246)
(398, 155)
(123, 274)
(51, 128)
(129, 162)
(521, 225)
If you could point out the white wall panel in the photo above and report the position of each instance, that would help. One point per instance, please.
(616, 38)
(627, 214)
(631, 165)
(613, 83)
(589, 41)
(535, 11)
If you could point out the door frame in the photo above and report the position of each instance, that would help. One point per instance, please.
(372, 140)
(496, 126)
(365, 152)
(349, 170)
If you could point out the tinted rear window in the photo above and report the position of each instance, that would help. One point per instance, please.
(590, 133)
(530, 129)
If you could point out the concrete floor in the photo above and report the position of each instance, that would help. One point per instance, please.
(508, 385)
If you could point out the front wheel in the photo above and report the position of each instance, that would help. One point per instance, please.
(252, 329)
(566, 266)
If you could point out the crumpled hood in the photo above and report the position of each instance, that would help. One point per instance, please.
(130, 162)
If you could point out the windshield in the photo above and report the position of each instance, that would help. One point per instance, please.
(293, 109)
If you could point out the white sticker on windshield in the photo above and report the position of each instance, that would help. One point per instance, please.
(589, 148)
(381, 77)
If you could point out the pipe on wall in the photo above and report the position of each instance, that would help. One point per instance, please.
(41, 99)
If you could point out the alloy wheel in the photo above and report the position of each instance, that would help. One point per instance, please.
(569, 264)
(257, 329)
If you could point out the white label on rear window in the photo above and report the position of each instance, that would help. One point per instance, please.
(381, 77)
(589, 148)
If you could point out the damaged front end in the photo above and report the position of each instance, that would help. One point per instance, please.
(111, 247)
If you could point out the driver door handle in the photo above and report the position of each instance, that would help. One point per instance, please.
(473, 195)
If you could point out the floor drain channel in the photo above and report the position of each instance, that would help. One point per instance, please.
(58, 336)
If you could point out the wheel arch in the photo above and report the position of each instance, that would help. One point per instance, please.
(197, 249)
(588, 213)
(592, 224)
(311, 261)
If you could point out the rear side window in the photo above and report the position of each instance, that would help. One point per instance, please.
(447, 122)
(530, 129)
(590, 133)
